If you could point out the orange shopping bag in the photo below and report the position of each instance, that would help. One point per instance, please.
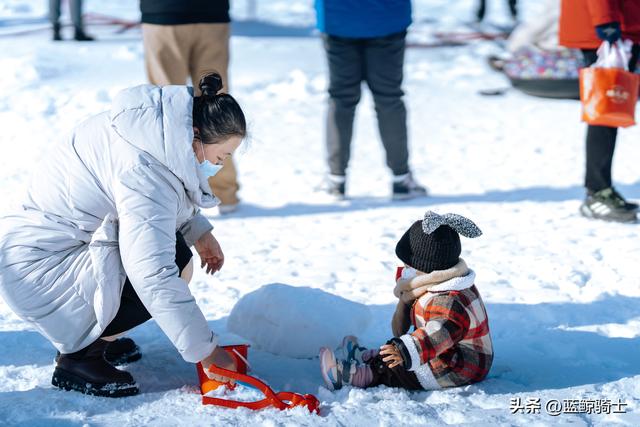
(608, 91)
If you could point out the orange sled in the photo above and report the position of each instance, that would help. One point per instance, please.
(282, 400)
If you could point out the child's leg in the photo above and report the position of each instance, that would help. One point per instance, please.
(396, 377)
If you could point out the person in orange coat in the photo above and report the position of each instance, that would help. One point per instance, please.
(585, 24)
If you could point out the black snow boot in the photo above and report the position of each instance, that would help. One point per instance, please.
(57, 36)
(81, 36)
(119, 352)
(122, 351)
(88, 372)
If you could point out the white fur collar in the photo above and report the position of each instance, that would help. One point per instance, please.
(456, 284)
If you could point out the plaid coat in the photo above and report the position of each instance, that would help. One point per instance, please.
(450, 345)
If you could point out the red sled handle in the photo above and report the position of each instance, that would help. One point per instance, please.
(282, 400)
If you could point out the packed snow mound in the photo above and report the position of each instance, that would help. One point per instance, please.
(296, 321)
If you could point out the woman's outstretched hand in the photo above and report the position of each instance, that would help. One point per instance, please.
(210, 253)
(220, 358)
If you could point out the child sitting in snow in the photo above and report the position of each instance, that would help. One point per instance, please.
(450, 345)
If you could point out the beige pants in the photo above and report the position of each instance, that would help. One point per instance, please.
(172, 54)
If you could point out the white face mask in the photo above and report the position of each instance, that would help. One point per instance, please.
(206, 170)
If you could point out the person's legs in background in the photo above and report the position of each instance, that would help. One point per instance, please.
(384, 64)
(482, 10)
(210, 52)
(602, 200)
(54, 18)
(76, 19)
(513, 9)
(165, 54)
(75, 7)
(346, 62)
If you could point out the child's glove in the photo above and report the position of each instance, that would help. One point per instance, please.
(609, 32)
(401, 321)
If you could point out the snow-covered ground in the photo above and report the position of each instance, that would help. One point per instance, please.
(562, 292)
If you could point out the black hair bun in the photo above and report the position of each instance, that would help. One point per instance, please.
(210, 84)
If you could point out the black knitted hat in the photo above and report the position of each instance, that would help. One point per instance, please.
(433, 243)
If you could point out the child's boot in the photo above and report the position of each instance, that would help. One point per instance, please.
(338, 373)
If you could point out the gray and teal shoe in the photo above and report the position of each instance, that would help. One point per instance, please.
(338, 372)
(350, 350)
(335, 372)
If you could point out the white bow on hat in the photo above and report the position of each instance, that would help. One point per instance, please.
(460, 224)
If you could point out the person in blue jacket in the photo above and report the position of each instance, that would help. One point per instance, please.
(365, 41)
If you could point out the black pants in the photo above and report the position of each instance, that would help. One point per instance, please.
(601, 140)
(482, 9)
(396, 377)
(378, 62)
(132, 312)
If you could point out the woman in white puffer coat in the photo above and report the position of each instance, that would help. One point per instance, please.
(101, 243)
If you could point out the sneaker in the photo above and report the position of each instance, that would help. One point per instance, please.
(404, 187)
(337, 373)
(334, 185)
(350, 350)
(609, 205)
(628, 205)
(88, 372)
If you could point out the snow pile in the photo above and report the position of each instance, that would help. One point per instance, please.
(296, 321)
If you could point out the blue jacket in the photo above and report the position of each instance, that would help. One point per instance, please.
(362, 18)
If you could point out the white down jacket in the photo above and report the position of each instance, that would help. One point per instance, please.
(103, 206)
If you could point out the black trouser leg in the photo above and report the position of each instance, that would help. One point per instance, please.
(601, 144)
(396, 377)
(384, 63)
(132, 312)
(601, 140)
(54, 11)
(513, 8)
(75, 8)
(345, 57)
(482, 9)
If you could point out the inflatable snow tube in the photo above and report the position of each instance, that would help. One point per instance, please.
(548, 88)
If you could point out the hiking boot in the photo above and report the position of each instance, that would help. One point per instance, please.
(119, 352)
(337, 373)
(405, 187)
(608, 205)
(88, 372)
(81, 36)
(334, 185)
